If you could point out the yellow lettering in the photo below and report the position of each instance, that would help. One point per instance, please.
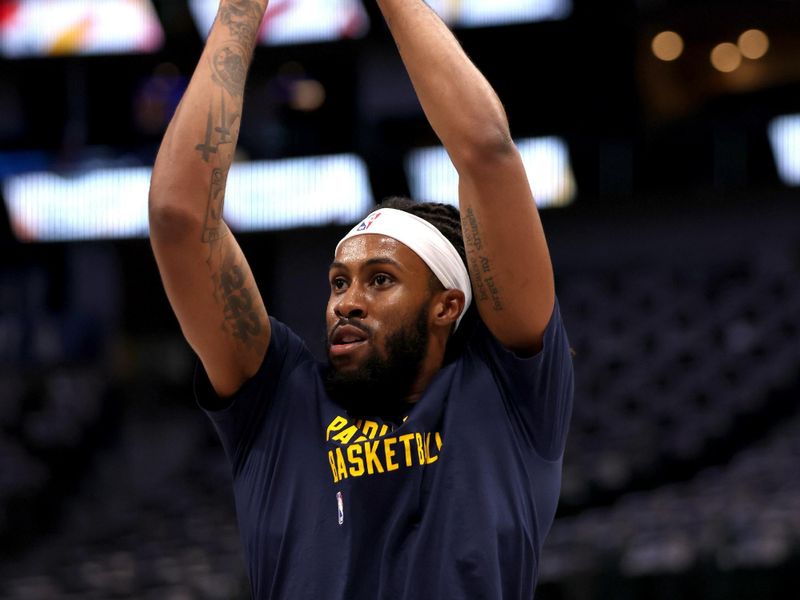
(333, 465)
(345, 436)
(372, 458)
(370, 429)
(387, 450)
(428, 458)
(420, 448)
(341, 468)
(356, 462)
(335, 425)
(384, 430)
(406, 439)
(369, 457)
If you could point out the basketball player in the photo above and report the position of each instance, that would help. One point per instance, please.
(423, 460)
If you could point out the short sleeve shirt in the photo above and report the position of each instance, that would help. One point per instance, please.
(454, 502)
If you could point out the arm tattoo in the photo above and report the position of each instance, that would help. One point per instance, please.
(471, 235)
(477, 281)
(229, 67)
(497, 303)
(242, 18)
(222, 134)
(480, 266)
(214, 227)
(240, 315)
(206, 148)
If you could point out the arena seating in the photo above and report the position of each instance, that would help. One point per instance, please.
(740, 515)
(669, 361)
(155, 521)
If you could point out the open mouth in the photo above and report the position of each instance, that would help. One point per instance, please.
(347, 338)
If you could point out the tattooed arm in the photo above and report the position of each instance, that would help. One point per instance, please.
(207, 279)
(508, 258)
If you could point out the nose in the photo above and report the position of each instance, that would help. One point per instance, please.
(351, 303)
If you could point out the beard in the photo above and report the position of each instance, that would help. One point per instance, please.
(380, 385)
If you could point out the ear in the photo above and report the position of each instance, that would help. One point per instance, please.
(447, 307)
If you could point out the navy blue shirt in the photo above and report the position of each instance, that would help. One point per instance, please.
(453, 503)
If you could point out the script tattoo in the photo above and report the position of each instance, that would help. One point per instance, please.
(497, 303)
(479, 265)
(240, 313)
(229, 65)
(471, 234)
(214, 227)
(477, 281)
(241, 17)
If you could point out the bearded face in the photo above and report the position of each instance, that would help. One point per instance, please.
(379, 382)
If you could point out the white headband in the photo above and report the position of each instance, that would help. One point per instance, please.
(426, 241)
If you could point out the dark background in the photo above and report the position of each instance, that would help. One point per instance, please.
(677, 269)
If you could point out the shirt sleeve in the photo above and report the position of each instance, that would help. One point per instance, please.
(239, 422)
(537, 390)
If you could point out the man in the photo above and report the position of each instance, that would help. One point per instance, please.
(424, 460)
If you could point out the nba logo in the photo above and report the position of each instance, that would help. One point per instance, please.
(365, 224)
(340, 506)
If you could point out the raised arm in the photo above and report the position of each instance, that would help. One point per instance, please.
(206, 277)
(509, 263)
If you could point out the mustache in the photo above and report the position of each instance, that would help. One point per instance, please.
(352, 323)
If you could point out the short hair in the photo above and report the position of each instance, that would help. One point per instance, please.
(447, 219)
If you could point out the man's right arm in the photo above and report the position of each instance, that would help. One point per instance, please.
(205, 274)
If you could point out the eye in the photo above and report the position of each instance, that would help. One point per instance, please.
(381, 279)
(338, 283)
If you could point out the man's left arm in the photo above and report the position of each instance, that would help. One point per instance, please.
(509, 263)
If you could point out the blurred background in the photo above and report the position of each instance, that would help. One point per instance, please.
(662, 140)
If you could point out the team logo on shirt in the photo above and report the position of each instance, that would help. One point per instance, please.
(369, 448)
